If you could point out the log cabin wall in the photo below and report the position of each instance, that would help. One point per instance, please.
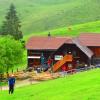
(78, 55)
(36, 61)
(96, 51)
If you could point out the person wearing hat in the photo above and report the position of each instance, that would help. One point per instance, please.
(11, 83)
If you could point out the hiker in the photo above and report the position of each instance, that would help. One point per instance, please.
(11, 83)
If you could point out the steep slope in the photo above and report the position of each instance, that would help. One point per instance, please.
(42, 15)
(73, 31)
(81, 86)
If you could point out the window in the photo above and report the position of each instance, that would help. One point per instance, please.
(70, 65)
(74, 53)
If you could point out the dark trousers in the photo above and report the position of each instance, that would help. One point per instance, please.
(11, 88)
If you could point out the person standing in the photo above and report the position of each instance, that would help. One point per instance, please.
(49, 62)
(64, 69)
(11, 83)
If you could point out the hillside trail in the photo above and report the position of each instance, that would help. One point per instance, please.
(20, 84)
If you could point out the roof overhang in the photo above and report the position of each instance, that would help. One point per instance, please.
(83, 48)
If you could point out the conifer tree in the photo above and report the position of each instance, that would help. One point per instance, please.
(11, 25)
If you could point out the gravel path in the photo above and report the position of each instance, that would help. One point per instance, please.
(20, 84)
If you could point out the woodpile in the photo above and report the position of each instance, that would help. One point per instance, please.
(45, 76)
(35, 76)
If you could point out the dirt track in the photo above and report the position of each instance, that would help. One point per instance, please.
(20, 84)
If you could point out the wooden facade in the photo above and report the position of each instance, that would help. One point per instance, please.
(66, 49)
(96, 51)
(81, 53)
(32, 62)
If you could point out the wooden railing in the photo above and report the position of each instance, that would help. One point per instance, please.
(57, 65)
(72, 71)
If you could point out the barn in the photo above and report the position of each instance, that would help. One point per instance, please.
(68, 52)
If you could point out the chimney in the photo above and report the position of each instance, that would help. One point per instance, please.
(49, 34)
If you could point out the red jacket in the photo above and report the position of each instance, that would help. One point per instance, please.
(64, 68)
(49, 61)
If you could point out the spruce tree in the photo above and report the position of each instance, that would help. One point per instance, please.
(11, 25)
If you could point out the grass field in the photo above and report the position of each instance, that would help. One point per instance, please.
(43, 15)
(72, 31)
(80, 86)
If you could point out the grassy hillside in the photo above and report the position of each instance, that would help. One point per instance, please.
(41, 15)
(81, 86)
(73, 31)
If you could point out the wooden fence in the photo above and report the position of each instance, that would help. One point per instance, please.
(72, 71)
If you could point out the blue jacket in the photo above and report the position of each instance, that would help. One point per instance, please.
(11, 81)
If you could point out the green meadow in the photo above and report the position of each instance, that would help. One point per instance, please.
(80, 86)
(60, 18)
(44, 15)
(72, 31)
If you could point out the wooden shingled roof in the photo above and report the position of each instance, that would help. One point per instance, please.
(53, 43)
(46, 43)
(90, 39)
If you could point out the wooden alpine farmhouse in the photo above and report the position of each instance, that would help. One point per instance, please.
(64, 51)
